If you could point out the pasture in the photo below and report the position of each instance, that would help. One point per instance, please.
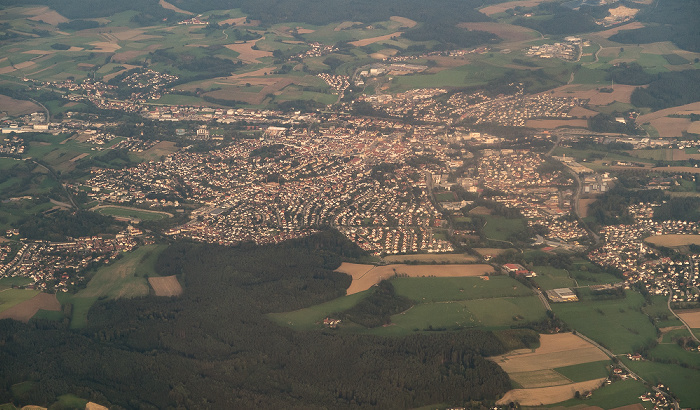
(553, 278)
(682, 381)
(673, 353)
(165, 286)
(8, 282)
(425, 290)
(366, 276)
(585, 371)
(502, 229)
(618, 394)
(310, 317)
(616, 324)
(508, 32)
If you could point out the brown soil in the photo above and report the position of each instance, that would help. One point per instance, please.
(368, 41)
(548, 395)
(366, 276)
(27, 309)
(692, 318)
(165, 286)
(17, 107)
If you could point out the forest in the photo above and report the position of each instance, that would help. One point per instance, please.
(670, 20)
(213, 347)
(669, 90)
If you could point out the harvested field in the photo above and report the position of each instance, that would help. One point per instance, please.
(615, 30)
(127, 56)
(79, 157)
(105, 47)
(48, 16)
(582, 112)
(490, 251)
(434, 258)
(366, 276)
(368, 41)
(38, 52)
(25, 310)
(17, 107)
(164, 4)
(539, 378)
(165, 286)
(241, 21)
(405, 22)
(691, 317)
(557, 350)
(671, 127)
(246, 52)
(500, 8)
(507, 32)
(551, 124)
(621, 93)
(302, 30)
(674, 240)
(548, 395)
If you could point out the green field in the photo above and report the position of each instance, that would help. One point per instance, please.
(618, 394)
(552, 278)
(585, 371)
(495, 313)
(125, 278)
(6, 283)
(309, 318)
(12, 297)
(132, 213)
(52, 315)
(658, 311)
(427, 290)
(683, 382)
(616, 324)
(502, 229)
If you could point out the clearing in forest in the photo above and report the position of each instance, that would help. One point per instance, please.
(166, 286)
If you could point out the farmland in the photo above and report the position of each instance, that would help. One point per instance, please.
(502, 229)
(26, 309)
(459, 288)
(366, 276)
(616, 324)
(672, 241)
(165, 286)
(124, 278)
(12, 297)
(682, 381)
(431, 258)
(563, 364)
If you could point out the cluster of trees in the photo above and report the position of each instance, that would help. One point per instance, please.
(56, 226)
(612, 207)
(669, 90)
(200, 67)
(607, 123)
(449, 34)
(630, 74)
(563, 20)
(214, 347)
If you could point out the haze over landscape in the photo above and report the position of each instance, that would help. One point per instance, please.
(235, 204)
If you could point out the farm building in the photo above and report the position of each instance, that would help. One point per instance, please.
(562, 295)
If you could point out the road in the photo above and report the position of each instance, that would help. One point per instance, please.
(543, 299)
(682, 321)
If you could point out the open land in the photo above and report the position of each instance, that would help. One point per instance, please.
(691, 317)
(247, 53)
(133, 213)
(621, 93)
(432, 258)
(368, 41)
(501, 7)
(12, 297)
(535, 370)
(609, 32)
(26, 310)
(165, 286)
(366, 276)
(405, 22)
(557, 350)
(507, 32)
(15, 107)
(675, 240)
(670, 127)
(550, 124)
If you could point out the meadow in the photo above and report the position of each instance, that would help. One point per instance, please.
(124, 278)
(502, 229)
(310, 318)
(12, 297)
(426, 290)
(616, 324)
(618, 394)
(682, 381)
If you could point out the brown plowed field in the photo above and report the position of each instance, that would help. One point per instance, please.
(366, 276)
(691, 317)
(27, 309)
(548, 395)
(165, 285)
